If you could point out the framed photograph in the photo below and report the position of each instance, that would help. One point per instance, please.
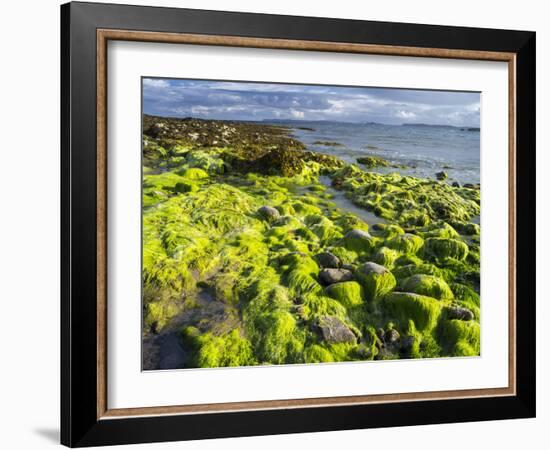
(276, 224)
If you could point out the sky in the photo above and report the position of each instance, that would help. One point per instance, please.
(228, 100)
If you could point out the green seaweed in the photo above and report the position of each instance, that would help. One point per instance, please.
(441, 249)
(386, 257)
(204, 183)
(376, 280)
(348, 293)
(423, 311)
(209, 350)
(406, 243)
(428, 285)
(461, 338)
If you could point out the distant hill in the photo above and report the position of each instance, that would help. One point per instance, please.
(439, 126)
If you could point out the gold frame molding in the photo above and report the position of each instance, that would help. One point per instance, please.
(105, 35)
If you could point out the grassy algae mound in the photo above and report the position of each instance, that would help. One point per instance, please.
(237, 211)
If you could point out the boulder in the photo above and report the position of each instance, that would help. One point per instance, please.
(349, 293)
(269, 213)
(376, 280)
(441, 175)
(443, 248)
(327, 260)
(333, 331)
(422, 310)
(428, 285)
(406, 243)
(372, 268)
(330, 276)
(358, 241)
(460, 313)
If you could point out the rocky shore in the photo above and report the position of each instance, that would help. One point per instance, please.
(238, 210)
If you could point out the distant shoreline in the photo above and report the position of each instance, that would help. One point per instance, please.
(299, 123)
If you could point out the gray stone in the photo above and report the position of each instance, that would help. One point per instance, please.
(330, 276)
(269, 213)
(392, 336)
(327, 260)
(357, 234)
(333, 331)
(372, 267)
(460, 313)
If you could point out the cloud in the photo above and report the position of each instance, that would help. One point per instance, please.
(231, 100)
(405, 114)
(297, 114)
(155, 83)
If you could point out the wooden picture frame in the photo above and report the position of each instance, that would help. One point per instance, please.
(86, 418)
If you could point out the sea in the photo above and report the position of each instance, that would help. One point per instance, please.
(422, 149)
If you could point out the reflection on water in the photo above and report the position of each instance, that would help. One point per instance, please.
(339, 198)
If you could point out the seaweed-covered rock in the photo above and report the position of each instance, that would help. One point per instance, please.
(460, 313)
(461, 338)
(440, 230)
(283, 161)
(328, 260)
(317, 354)
(194, 173)
(330, 276)
(470, 229)
(423, 311)
(269, 213)
(333, 331)
(376, 279)
(373, 161)
(263, 267)
(358, 241)
(406, 243)
(442, 248)
(386, 256)
(387, 231)
(441, 175)
(428, 285)
(471, 186)
(403, 272)
(209, 350)
(349, 293)
(209, 162)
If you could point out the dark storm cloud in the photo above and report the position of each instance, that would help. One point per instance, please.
(265, 101)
